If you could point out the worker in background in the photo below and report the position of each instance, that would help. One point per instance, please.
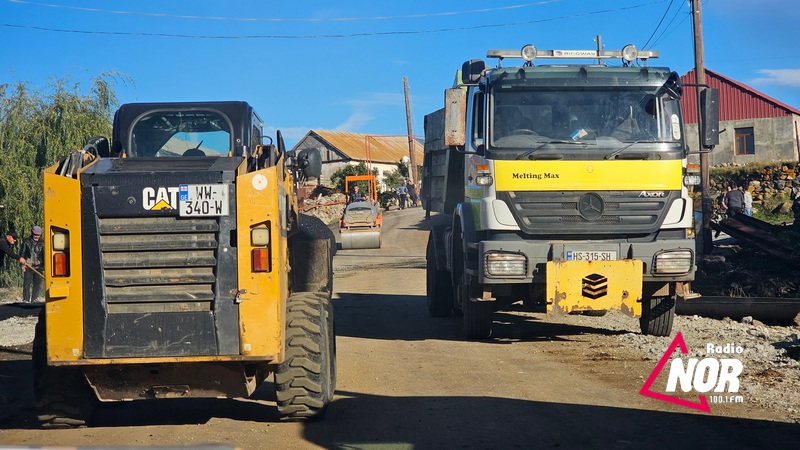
(412, 193)
(747, 201)
(733, 200)
(356, 195)
(402, 195)
(6, 247)
(33, 252)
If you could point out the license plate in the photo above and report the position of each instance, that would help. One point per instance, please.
(591, 256)
(203, 200)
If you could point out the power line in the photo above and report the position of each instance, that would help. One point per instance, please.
(328, 36)
(667, 30)
(659, 24)
(283, 19)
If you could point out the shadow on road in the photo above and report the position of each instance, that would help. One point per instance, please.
(405, 317)
(486, 422)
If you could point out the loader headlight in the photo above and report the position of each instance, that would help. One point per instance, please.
(673, 262)
(505, 264)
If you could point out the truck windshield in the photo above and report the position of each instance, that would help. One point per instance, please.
(180, 133)
(589, 122)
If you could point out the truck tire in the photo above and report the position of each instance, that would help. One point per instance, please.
(306, 380)
(477, 315)
(657, 315)
(439, 291)
(63, 396)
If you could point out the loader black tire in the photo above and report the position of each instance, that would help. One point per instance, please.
(478, 316)
(63, 396)
(658, 314)
(306, 380)
(439, 289)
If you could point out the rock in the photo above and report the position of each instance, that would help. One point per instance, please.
(747, 319)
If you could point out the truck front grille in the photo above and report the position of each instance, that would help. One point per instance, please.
(557, 213)
(158, 264)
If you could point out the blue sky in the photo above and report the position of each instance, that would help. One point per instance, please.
(340, 65)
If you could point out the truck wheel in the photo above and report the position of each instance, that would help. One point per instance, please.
(657, 315)
(306, 380)
(63, 396)
(439, 289)
(477, 315)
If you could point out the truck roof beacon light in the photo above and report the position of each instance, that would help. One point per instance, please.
(630, 52)
(528, 52)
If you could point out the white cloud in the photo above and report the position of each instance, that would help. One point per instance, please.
(355, 122)
(778, 77)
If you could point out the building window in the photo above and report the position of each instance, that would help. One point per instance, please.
(745, 144)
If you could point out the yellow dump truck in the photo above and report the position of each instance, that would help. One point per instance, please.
(561, 185)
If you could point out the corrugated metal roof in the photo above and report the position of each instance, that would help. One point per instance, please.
(372, 147)
(736, 100)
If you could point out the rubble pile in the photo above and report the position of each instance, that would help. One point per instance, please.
(327, 208)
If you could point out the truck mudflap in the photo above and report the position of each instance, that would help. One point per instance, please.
(577, 286)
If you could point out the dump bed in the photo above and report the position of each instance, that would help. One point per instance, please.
(443, 177)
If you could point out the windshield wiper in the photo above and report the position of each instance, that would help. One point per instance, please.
(616, 152)
(534, 150)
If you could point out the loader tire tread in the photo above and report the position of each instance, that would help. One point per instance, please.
(306, 380)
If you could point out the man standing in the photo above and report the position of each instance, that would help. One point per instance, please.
(733, 200)
(5, 247)
(402, 195)
(747, 201)
(33, 252)
(412, 193)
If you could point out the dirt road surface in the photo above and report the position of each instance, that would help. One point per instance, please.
(409, 381)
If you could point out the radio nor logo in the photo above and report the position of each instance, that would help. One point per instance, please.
(717, 376)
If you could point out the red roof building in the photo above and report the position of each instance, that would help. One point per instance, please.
(756, 126)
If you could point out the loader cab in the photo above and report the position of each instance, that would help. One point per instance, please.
(166, 130)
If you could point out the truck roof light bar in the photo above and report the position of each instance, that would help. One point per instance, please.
(529, 53)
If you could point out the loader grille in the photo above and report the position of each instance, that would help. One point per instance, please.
(158, 264)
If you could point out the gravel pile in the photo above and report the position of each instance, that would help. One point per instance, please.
(771, 375)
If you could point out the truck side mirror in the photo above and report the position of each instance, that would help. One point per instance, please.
(471, 71)
(709, 108)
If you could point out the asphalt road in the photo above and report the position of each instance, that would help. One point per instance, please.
(408, 381)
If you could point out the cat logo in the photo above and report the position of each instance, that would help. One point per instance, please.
(160, 198)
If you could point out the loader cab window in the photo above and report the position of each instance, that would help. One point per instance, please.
(180, 133)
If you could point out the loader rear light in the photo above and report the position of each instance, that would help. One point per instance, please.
(261, 260)
(260, 236)
(61, 264)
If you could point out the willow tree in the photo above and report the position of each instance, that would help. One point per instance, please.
(38, 126)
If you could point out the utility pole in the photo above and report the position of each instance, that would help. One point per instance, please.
(599, 49)
(411, 153)
(700, 75)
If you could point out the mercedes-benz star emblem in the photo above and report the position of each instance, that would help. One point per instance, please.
(590, 206)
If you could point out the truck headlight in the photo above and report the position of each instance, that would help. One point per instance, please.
(672, 262)
(505, 264)
(484, 180)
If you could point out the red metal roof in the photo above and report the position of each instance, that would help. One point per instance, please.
(736, 100)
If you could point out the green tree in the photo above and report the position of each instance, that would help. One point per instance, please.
(338, 177)
(38, 126)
